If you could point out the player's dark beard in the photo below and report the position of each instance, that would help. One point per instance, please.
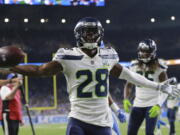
(152, 64)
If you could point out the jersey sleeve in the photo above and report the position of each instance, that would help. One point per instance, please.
(59, 57)
(163, 65)
(114, 56)
(133, 65)
(4, 92)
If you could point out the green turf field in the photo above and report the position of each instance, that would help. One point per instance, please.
(59, 129)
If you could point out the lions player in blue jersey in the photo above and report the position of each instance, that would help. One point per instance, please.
(116, 111)
(172, 108)
(87, 68)
(120, 115)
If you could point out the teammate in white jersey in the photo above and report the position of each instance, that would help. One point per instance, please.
(146, 103)
(87, 68)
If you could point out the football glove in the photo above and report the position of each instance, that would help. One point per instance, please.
(171, 90)
(126, 105)
(121, 116)
(154, 111)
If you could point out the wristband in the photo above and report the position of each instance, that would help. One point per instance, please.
(114, 107)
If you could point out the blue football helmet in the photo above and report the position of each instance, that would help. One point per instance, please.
(147, 50)
(13, 75)
(89, 33)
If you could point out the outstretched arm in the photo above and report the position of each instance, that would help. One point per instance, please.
(124, 73)
(132, 77)
(48, 69)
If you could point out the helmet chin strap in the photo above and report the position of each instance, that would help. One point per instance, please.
(89, 45)
(145, 60)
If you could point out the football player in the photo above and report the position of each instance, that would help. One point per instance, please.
(147, 101)
(172, 108)
(87, 68)
(120, 115)
(116, 111)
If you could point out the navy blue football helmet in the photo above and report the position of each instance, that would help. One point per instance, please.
(89, 33)
(147, 50)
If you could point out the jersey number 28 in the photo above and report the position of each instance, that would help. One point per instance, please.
(101, 79)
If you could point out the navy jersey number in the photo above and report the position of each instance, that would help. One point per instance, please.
(101, 78)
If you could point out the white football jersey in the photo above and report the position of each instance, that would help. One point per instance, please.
(88, 83)
(4, 91)
(145, 97)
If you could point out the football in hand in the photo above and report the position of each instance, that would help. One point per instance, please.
(10, 56)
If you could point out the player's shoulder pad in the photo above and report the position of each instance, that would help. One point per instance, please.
(65, 51)
(107, 50)
(162, 64)
(134, 63)
(68, 54)
(109, 53)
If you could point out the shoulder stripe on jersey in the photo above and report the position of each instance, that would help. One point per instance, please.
(163, 66)
(112, 56)
(70, 57)
(134, 64)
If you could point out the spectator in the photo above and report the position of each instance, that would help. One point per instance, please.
(10, 105)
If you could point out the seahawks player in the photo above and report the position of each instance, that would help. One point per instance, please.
(146, 103)
(87, 68)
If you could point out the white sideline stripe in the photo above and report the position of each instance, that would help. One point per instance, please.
(5, 124)
(60, 127)
(41, 127)
(143, 127)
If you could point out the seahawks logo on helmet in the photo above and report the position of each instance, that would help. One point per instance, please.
(147, 50)
(89, 33)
